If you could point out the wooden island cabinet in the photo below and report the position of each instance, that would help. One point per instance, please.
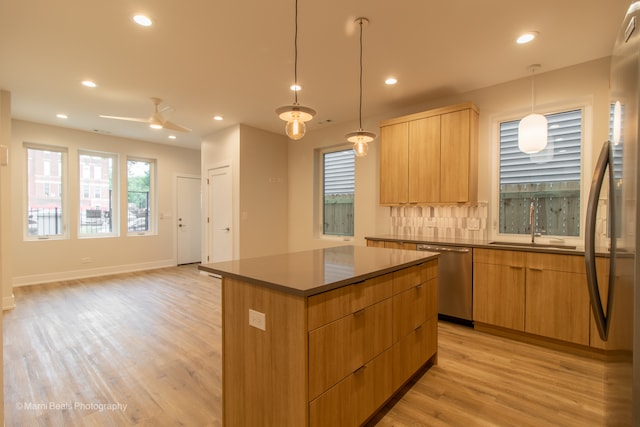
(324, 337)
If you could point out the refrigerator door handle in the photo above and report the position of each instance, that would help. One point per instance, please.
(601, 319)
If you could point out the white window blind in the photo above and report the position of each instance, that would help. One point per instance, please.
(338, 187)
(549, 179)
(559, 162)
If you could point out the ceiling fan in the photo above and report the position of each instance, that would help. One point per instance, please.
(156, 121)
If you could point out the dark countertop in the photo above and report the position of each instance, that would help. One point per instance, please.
(486, 244)
(312, 272)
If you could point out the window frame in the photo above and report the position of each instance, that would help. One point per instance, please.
(319, 210)
(63, 174)
(153, 216)
(90, 190)
(584, 104)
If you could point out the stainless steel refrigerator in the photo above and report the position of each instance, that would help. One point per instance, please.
(615, 291)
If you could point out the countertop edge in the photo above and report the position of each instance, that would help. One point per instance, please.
(429, 256)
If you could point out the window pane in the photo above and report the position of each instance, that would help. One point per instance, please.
(44, 192)
(97, 196)
(549, 179)
(139, 174)
(338, 192)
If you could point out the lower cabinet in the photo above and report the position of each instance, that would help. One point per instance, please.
(361, 352)
(538, 293)
(392, 244)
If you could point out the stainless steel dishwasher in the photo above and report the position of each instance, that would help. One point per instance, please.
(455, 282)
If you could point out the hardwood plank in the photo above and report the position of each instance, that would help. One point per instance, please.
(152, 340)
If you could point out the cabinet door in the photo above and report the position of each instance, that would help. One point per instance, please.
(498, 295)
(375, 243)
(557, 305)
(424, 160)
(455, 156)
(394, 157)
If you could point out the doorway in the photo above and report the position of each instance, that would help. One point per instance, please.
(189, 214)
(220, 220)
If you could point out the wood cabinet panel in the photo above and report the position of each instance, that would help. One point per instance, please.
(406, 278)
(281, 347)
(455, 156)
(430, 157)
(557, 305)
(498, 295)
(394, 158)
(328, 306)
(411, 352)
(494, 256)
(424, 160)
(375, 243)
(343, 346)
(412, 307)
(400, 245)
(556, 262)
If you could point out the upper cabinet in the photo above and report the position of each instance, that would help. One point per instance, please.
(430, 157)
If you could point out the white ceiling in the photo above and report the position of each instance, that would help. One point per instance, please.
(235, 57)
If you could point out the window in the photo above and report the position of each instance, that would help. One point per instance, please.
(549, 179)
(338, 188)
(46, 207)
(140, 195)
(98, 214)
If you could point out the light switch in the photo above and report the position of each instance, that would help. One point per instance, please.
(257, 320)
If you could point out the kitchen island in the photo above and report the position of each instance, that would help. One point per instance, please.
(324, 337)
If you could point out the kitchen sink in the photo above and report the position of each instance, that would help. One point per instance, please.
(533, 245)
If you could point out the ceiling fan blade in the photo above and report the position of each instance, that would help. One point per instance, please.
(129, 119)
(173, 126)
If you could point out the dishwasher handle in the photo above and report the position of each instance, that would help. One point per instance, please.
(443, 249)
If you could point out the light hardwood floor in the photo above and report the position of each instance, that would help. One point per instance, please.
(151, 341)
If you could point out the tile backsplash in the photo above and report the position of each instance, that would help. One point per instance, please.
(463, 222)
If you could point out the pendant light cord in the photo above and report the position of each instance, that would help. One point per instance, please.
(360, 108)
(295, 58)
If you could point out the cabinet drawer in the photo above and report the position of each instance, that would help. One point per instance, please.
(355, 398)
(411, 308)
(494, 256)
(332, 305)
(555, 262)
(406, 278)
(340, 347)
(412, 351)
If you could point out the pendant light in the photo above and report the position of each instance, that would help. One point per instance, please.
(295, 115)
(532, 130)
(360, 138)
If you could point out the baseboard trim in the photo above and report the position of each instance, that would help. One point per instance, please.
(37, 279)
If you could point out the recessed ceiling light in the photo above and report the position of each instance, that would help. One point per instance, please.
(295, 87)
(155, 126)
(218, 118)
(391, 81)
(143, 20)
(172, 137)
(62, 116)
(526, 37)
(89, 83)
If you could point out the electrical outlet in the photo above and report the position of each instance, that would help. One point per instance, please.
(474, 224)
(257, 320)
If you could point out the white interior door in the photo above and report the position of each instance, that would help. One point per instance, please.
(189, 214)
(220, 215)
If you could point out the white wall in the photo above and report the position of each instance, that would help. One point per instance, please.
(42, 261)
(585, 82)
(5, 225)
(259, 185)
(264, 193)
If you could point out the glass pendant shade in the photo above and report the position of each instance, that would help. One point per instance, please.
(532, 133)
(361, 148)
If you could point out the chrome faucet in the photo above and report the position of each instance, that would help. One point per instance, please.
(532, 221)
